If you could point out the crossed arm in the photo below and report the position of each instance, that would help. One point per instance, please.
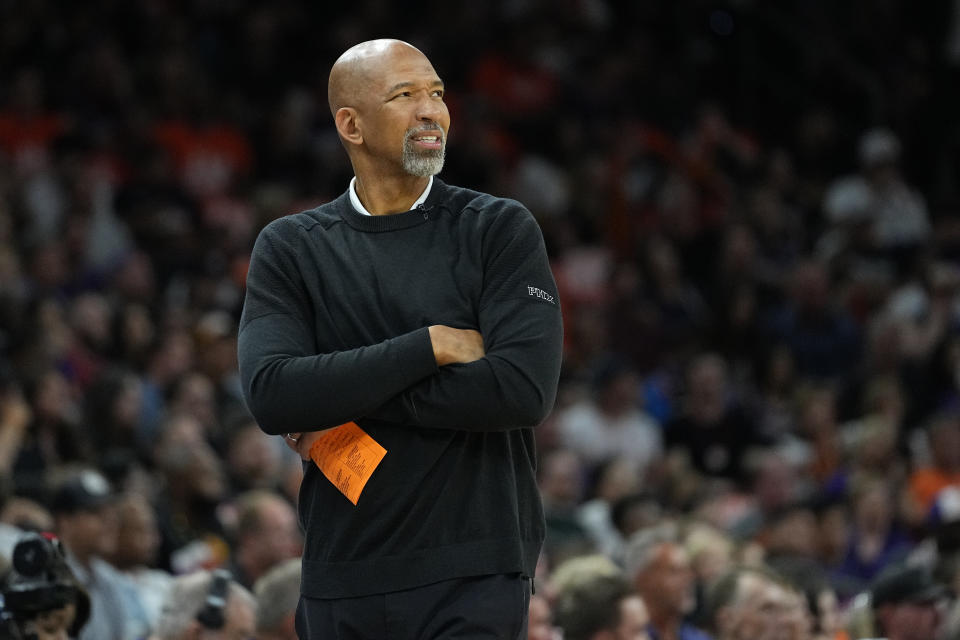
(450, 346)
(501, 376)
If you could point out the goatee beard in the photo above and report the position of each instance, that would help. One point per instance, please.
(423, 163)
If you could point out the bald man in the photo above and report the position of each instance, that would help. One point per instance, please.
(425, 315)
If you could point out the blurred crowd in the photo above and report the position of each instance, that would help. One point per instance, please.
(751, 213)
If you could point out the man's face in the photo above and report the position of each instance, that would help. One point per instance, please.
(137, 535)
(761, 611)
(90, 531)
(633, 620)
(404, 117)
(279, 536)
(668, 583)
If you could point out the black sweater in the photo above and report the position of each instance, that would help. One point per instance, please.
(334, 328)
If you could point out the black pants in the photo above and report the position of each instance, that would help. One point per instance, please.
(490, 607)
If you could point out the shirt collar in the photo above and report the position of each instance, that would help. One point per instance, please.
(355, 199)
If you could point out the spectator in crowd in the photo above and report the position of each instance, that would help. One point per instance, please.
(560, 479)
(906, 602)
(40, 597)
(750, 603)
(53, 436)
(791, 532)
(821, 335)
(631, 513)
(876, 539)
(894, 214)
(943, 468)
(818, 425)
(113, 403)
(136, 553)
(615, 479)
(192, 529)
(540, 624)
(775, 488)
(207, 604)
(254, 459)
(610, 424)
(818, 598)
(277, 593)
(712, 553)
(84, 508)
(713, 426)
(659, 567)
(267, 534)
(601, 606)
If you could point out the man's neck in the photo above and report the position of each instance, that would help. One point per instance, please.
(385, 195)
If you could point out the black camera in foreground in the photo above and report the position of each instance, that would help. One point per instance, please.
(38, 580)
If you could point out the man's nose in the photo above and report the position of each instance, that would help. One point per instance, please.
(429, 109)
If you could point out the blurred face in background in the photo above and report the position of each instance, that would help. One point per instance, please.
(279, 535)
(762, 610)
(667, 583)
(633, 620)
(872, 510)
(561, 478)
(540, 624)
(137, 535)
(89, 532)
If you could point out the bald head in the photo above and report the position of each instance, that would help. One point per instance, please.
(354, 73)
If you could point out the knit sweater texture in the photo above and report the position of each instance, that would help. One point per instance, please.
(334, 329)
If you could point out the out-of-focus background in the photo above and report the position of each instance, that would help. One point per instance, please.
(751, 209)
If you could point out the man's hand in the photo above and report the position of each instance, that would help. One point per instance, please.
(301, 442)
(455, 345)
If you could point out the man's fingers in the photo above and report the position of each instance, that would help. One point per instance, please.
(292, 440)
(301, 443)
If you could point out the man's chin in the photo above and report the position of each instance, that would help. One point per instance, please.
(423, 166)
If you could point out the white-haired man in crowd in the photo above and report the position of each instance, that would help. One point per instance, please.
(277, 593)
(207, 605)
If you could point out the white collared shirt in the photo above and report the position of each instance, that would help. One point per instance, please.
(355, 199)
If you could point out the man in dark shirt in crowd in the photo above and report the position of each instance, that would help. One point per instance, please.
(406, 337)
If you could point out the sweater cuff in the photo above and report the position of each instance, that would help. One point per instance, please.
(414, 356)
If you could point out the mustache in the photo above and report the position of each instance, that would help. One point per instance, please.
(427, 128)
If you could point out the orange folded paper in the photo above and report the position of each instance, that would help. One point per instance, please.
(347, 456)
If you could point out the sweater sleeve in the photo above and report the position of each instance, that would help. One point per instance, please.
(290, 387)
(514, 385)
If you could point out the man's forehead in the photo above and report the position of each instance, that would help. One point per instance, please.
(403, 69)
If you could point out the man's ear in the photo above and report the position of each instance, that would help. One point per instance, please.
(348, 125)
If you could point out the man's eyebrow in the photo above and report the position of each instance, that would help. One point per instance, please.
(405, 85)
